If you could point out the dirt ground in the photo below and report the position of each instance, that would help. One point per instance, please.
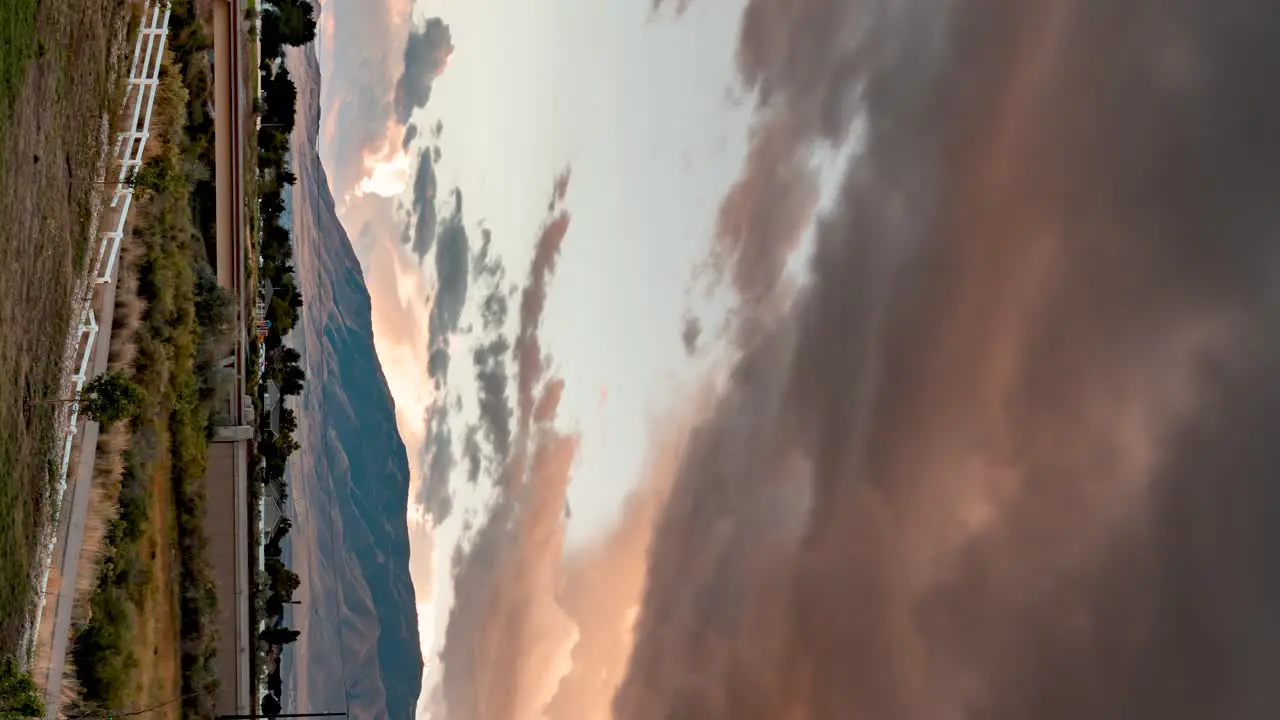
(156, 634)
(50, 143)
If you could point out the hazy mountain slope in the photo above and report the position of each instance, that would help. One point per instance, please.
(350, 481)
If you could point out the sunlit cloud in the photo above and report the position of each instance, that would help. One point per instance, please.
(387, 171)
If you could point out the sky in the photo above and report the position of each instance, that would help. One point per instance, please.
(825, 358)
(653, 132)
(644, 188)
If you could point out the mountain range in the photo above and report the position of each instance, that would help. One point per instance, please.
(349, 483)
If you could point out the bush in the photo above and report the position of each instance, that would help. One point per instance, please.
(19, 696)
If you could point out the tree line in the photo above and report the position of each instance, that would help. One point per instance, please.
(283, 24)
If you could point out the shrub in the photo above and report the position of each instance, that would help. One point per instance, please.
(19, 696)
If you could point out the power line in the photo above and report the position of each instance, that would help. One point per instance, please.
(100, 714)
(252, 716)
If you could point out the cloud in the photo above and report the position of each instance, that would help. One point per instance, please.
(506, 644)
(691, 333)
(425, 56)
(360, 67)
(490, 359)
(533, 298)
(386, 172)
(424, 206)
(602, 584)
(452, 259)
(1009, 454)
(434, 495)
(805, 100)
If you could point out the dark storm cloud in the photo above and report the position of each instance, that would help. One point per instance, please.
(489, 356)
(438, 363)
(691, 333)
(438, 462)
(475, 455)
(453, 257)
(490, 360)
(424, 206)
(411, 134)
(1011, 454)
(425, 56)
(452, 261)
(491, 653)
(805, 100)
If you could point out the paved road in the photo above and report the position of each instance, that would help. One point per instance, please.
(79, 489)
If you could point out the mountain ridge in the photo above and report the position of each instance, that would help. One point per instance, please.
(359, 648)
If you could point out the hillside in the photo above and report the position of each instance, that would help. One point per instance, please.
(350, 481)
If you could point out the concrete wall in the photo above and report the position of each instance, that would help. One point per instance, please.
(227, 477)
(223, 142)
(226, 526)
(230, 126)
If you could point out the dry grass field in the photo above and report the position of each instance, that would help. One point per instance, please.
(57, 84)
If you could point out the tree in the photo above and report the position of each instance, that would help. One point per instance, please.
(286, 445)
(279, 636)
(291, 378)
(271, 706)
(284, 582)
(281, 529)
(281, 315)
(273, 467)
(288, 583)
(295, 299)
(277, 246)
(110, 397)
(155, 176)
(271, 203)
(280, 95)
(288, 422)
(215, 305)
(273, 143)
(272, 44)
(297, 22)
(275, 683)
(19, 696)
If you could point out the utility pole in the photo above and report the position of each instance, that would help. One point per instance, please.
(251, 716)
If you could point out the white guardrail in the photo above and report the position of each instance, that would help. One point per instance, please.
(140, 89)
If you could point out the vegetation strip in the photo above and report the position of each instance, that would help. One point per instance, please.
(154, 562)
(289, 23)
